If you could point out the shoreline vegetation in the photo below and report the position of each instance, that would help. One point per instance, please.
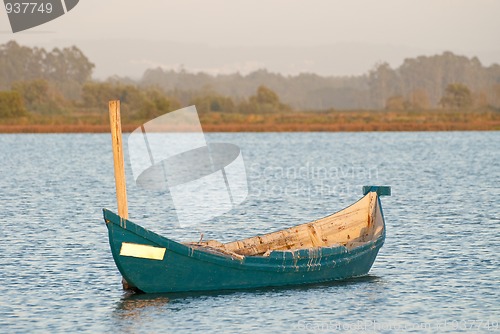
(52, 91)
(291, 121)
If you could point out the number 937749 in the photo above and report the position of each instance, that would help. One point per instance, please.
(28, 7)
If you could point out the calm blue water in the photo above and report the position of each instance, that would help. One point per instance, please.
(438, 271)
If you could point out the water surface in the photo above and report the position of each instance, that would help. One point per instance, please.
(439, 269)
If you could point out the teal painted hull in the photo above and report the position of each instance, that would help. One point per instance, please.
(188, 268)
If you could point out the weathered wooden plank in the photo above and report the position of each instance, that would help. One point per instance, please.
(351, 225)
(117, 143)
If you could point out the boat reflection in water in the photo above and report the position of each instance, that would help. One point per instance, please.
(133, 306)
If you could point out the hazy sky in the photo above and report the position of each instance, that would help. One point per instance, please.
(327, 37)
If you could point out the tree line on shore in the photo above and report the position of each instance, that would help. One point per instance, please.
(59, 82)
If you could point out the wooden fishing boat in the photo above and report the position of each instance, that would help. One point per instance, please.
(340, 246)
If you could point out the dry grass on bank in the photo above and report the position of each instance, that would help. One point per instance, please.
(336, 121)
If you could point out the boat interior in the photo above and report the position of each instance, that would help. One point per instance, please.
(351, 227)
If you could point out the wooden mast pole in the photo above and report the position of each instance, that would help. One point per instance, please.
(116, 139)
(117, 143)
